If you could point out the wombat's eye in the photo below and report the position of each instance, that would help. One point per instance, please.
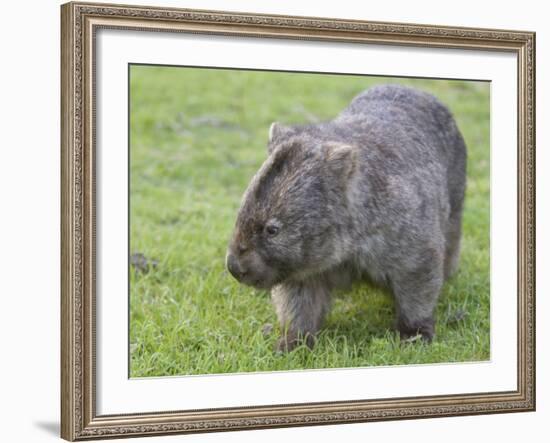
(272, 230)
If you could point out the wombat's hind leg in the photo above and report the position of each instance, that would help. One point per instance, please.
(301, 309)
(416, 295)
(453, 231)
(452, 244)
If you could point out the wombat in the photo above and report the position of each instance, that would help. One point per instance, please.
(376, 193)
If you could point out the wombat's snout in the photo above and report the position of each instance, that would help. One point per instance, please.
(236, 268)
(249, 268)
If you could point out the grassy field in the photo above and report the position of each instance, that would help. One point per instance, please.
(197, 137)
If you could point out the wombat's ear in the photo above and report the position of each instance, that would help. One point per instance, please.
(277, 131)
(340, 159)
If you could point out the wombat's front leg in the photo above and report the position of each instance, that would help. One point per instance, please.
(301, 308)
(416, 293)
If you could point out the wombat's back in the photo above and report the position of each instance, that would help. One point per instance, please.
(396, 110)
(413, 111)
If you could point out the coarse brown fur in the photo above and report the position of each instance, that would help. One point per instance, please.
(377, 192)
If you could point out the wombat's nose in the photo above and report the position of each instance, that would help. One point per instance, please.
(235, 267)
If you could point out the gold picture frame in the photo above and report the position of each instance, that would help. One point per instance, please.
(79, 23)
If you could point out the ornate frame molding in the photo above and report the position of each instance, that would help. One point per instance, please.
(79, 22)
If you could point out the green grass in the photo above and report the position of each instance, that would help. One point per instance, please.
(197, 137)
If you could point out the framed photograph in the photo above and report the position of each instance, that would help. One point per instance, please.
(277, 221)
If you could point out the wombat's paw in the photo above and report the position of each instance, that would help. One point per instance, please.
(291, 341)
(423, 330)
(284, 344)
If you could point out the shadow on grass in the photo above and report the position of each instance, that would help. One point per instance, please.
(360, 328)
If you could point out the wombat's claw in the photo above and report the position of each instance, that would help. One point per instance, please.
(419, 330)
(288, 344)
(418, 336)
(283, 345)
(412, 339)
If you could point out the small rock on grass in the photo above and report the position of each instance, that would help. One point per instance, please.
(267, 329)
(141, 263)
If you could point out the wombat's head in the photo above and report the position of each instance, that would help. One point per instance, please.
(292, 213)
